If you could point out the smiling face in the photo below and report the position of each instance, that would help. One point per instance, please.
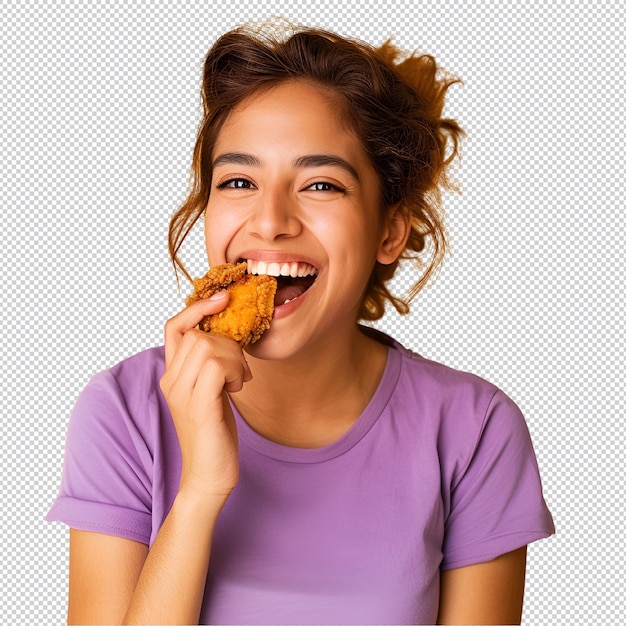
(294, 194)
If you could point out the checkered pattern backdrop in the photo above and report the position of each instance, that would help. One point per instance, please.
(99, 107)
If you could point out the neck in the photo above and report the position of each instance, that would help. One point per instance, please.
(312, 399)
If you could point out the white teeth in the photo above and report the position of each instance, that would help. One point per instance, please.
(294, 269)
(273, 269)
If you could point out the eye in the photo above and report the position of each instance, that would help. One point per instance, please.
(324, 186)
(236, 183)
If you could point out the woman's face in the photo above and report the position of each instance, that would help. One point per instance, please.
(294, 194)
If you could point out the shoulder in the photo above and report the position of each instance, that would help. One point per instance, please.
(428, 388)
(141, 368)
(133, 376)
(434, 386)
(127, 392)
(453, 409)
(477, 439)
(120, 436)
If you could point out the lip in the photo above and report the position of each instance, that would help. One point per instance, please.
(275, 256)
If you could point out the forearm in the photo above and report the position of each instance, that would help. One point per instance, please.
(171, 585)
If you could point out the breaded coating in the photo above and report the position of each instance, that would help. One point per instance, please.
(251, 306)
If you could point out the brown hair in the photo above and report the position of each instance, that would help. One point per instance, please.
(392, 101)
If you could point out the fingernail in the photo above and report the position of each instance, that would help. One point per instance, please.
(219, 295)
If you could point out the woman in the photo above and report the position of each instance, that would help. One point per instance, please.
(325, 474)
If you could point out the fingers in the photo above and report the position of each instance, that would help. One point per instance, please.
(189, 318)
(205, 364)
(200, 367)
(215, 376)
(200, 364)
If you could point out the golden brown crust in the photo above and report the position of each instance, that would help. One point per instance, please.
(251, 305)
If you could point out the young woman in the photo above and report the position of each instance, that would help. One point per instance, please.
(325, 474)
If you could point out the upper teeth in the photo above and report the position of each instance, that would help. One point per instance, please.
(295, 269)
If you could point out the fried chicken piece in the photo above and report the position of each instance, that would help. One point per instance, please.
(251, 306)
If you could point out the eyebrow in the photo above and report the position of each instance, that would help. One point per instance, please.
(309, 160)
(236, 158)
(317, 160)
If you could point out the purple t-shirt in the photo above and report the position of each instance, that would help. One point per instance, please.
(438, 472)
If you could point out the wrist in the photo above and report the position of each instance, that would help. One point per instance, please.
(188, 501)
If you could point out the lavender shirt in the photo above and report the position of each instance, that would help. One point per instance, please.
(438, 472)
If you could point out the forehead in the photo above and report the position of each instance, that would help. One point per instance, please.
(298, 110)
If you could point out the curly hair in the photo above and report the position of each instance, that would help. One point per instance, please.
(392, 100)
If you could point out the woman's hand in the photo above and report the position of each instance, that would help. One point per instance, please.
(199, 368)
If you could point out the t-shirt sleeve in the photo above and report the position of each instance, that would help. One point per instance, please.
(107, 479)
(496, 500)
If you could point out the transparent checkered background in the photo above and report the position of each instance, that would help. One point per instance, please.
(99, 107)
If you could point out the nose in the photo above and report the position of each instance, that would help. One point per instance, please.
(274, 217)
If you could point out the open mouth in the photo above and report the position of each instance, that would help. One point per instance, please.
(293, 278)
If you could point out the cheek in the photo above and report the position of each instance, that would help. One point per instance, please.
(216, 235)
(353, 236)
(351, 251)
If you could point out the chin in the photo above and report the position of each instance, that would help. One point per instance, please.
(270, 348)
(280, 344)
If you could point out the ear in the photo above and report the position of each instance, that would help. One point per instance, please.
(396, 230)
